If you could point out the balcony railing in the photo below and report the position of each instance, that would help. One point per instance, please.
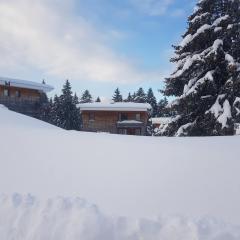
(130, 124)
(18, 100)
(25, 105)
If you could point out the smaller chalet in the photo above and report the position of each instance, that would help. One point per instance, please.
(117, 118)
(160, 121)
(22, 96)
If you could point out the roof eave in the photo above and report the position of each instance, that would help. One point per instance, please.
(115, 109)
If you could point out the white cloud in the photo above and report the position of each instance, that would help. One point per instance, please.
(153, 7)
(47, 37)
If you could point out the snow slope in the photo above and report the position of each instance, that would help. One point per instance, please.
(190, 181)
(25, 218)
(12, 120)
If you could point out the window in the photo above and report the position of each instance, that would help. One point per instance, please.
(138, 116)
(91, 116)
(18, 94)
(123, 116)
(6, 93)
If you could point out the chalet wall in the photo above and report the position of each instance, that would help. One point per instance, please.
(25, 93)
(106, 121)
(25, 103)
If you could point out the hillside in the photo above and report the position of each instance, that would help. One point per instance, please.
(189, 182)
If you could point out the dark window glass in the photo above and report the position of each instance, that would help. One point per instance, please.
(123, 116)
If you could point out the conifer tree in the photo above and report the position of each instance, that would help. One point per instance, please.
(162, 111)
(55, 112)
(86, 97)
(133, 97)
(151, 99)
(75, 99)
(140, 96)
(206, 82)
(117, 97)
(65, 112)
(44, 108)
(98, 99)
(129, 98)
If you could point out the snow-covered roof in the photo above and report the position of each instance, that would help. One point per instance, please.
(25, 84)
(129, 122)
(161, 120)
(121, 106)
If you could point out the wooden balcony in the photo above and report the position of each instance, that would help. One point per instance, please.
(130, 124)
(25, 105)
(18, 100)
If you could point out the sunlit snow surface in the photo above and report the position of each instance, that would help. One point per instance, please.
(145, 188)
(24, 217)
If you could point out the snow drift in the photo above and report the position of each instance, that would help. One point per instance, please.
(135, 177)
(25, 218)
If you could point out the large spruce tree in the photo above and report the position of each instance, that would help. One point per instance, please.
(206, 83)
(65, 113)
(117, 96)
(69, 113)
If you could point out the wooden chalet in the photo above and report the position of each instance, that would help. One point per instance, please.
(22, 96)
(117, 118)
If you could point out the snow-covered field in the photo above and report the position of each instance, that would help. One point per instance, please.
(135, 187)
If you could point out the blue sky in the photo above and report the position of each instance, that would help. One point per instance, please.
(97, 44)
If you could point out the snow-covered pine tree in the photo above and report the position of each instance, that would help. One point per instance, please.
(55, 112)
(206, 82)
(234, 32)
(117, 97)
(44, 108)
(162, 110)
(75, 99)
(68, 114)
(86, 97)
(133, 96)
(98, 99)
(151, 99)
(140, 96)
(129, 98)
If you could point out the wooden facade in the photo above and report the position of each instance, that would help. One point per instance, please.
(16, 93)
(117, 122)
(20, 100)
(22, 96)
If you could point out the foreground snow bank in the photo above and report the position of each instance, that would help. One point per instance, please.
(135, 177)
(27, 218)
